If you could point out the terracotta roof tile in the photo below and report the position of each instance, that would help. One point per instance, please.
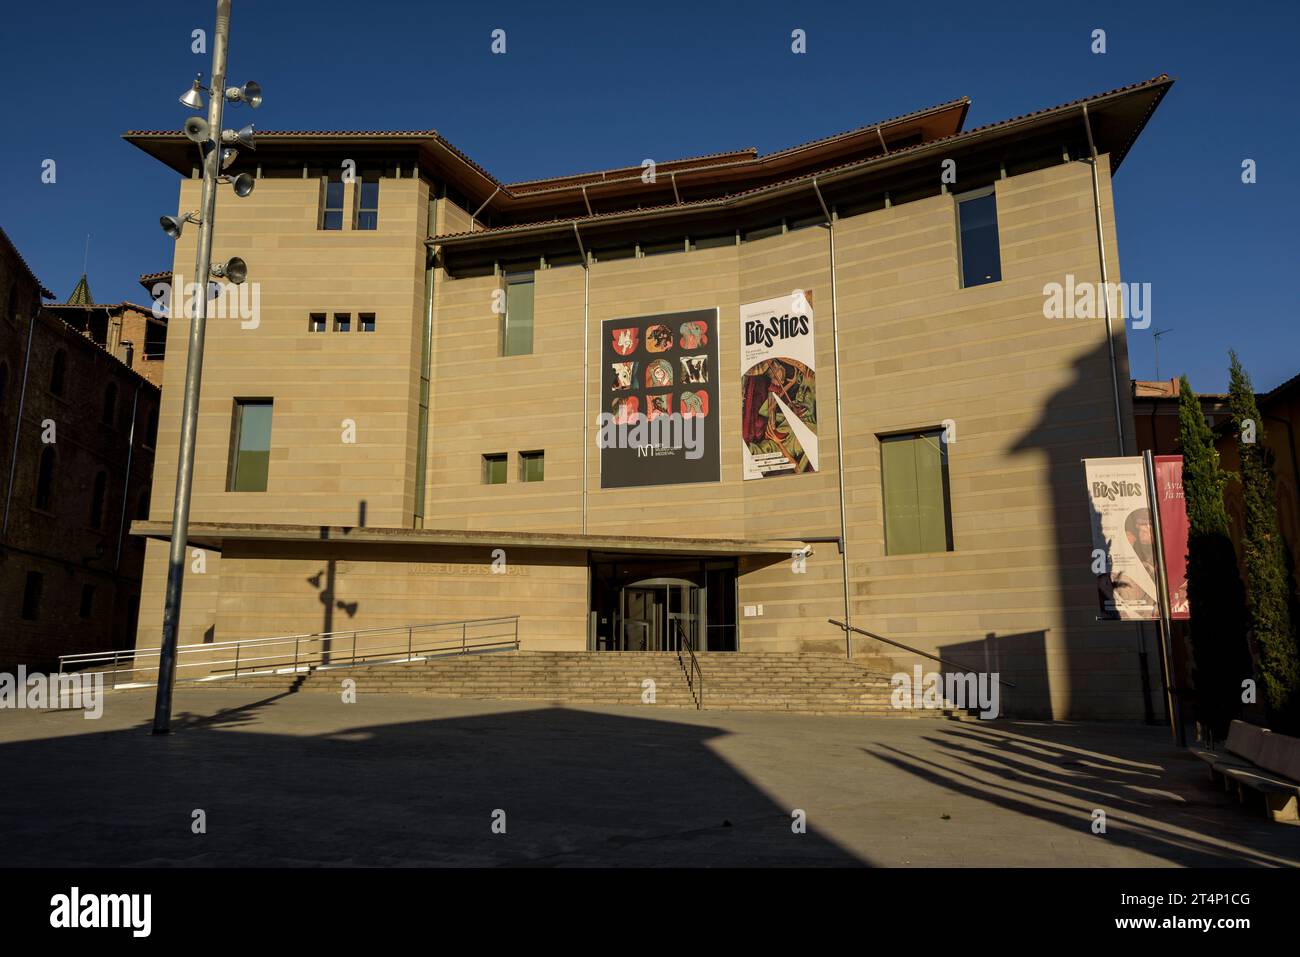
(730, 197)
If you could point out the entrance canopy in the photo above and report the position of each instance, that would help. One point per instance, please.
(214, 535)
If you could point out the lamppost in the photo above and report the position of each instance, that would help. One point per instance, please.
(210, 138)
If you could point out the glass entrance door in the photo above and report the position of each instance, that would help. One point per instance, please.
(646, 603)
(657, 612)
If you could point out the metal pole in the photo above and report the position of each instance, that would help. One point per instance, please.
(162, 715)
(839, 427)
(1105, 282)
(1162, 594)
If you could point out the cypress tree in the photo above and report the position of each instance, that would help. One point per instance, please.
(1214, 589)
(1268, 616)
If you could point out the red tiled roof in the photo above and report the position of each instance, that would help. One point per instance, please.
(729, 198)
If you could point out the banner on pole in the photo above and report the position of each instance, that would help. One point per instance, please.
(1123, 539)
(1173, 531)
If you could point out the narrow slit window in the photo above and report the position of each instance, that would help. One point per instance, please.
(250, 446)
(981, 258)
(517, 335)
(368, 203)
(331, 201)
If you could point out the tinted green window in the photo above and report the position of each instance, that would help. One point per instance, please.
(981, 260)
(517, 338)
(532, 466)
(914, 471)
(250, 457)
(494, 469)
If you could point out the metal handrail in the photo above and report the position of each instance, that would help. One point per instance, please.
(320, 635)
(308, 650)
(915, 651)
(694, 676)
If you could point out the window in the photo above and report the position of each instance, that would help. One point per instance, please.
(45, 479)
(4, 382)
(317, 322)
(97, 500)
(914, 475)
(331, 202)
(110, 404)
(368, 203)
(532, 466)
(977, 218)
(366, 322)
(517, 336)
(87, 601)
(56, 372)
(494, 469)
(32, 595)
(342, 322)
(250, 446)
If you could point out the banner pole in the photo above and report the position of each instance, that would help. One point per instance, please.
(1162, 594)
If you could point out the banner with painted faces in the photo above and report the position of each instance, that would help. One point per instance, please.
(1123, 538)
(778, 383)
(658, 420)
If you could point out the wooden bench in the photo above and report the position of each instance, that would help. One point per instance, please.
(1256, 759)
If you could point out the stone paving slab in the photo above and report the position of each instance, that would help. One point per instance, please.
(299, 779)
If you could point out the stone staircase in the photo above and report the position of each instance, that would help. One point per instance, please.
(803, 683)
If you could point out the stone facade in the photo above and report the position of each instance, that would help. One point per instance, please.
(1029, 397)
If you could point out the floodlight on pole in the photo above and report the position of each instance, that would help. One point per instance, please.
(250, 93)
(174, 225)
(228, 157)
(193, 97)
(233, 270)
(243, 136)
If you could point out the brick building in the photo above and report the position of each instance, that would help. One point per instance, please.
(77, 428)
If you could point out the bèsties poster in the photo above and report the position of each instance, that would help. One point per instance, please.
(1122, 533)
(778, 381)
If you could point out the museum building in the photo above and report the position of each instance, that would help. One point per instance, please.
(733, 400)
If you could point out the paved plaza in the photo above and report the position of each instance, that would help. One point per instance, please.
(304, 779)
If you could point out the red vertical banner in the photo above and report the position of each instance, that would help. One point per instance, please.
(1173, 530)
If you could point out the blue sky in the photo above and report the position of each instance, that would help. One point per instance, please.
(586, 87)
